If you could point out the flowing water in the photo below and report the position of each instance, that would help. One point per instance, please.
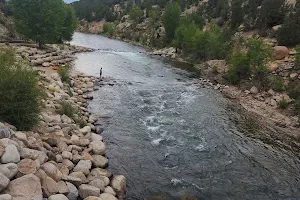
(173, 138)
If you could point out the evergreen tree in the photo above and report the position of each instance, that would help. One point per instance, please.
(171, 20)
(237, 15)
(136, 14)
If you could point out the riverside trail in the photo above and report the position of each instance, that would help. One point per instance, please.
(173, 137)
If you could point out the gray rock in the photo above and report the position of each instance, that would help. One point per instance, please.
(4, 181)
(52, 171)
(29, 153)
(68, 163)
(58, 197)
(92, 198)
(27, 166)
(67, 155)
(107, 196)
(96, 137)
(98, 147)
(98, 183)
(42, 157)
(74, 180)
(254, 90)
(5, 197)
(73, 192)
(119, 184)
(109, 190)
(9, 170)
(66, 119)
(98, 173)
(11, 154)
(100, 161)
(21, 136)
(83, 166)
(88, 190)
(85, 130)
(4, 132)
(27, 187)
(49, 186)
(62, 187)
(79, 175)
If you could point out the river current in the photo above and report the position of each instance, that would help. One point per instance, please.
(173, 138)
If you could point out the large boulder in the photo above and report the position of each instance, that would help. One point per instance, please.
(73, 192)
(100, 161)
(254, 90)
(109, 190)
(83, 166)
(4, 181)
(27, 187)
(11, 154)
(9, 170)
(280, 52)
(119, 184)
(88, 190)
(52, 171)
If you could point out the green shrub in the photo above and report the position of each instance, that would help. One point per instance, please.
(20, 97)
(240, 68)
(272, 13)
(109, 29)
(211, 44)
(64, 74)
(297, 107)
(289, 33)
(136, 14)
(276, 84)
(66, 108)
(297, 57)
(283, 104)
(294, 89)
(253, 62)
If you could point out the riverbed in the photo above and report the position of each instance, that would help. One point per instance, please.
(172, 136)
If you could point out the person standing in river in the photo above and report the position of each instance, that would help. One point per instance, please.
(101, 72)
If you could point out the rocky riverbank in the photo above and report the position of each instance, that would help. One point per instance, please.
(61, 158)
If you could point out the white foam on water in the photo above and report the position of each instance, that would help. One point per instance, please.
(175, 181)
(153, 128)
(156, 141)
(201, 147)
(150, 119)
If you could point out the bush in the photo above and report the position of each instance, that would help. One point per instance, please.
(109, 29)
(283, 104)
(289, 33)
(211, 44)
(66, 108)
(20, 97)
(297, 57)
(272, 13)
(294, 89)
(297, 107)
(276, 84)
(136, 14)
(253, 62)
(64, 74)
(240, 68)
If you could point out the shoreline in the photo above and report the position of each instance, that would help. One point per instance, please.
(59, 158)
(258, 105)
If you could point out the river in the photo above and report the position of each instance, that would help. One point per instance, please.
(173, 138)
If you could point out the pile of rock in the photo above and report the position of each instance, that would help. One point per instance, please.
(58, 160)
(52, 55)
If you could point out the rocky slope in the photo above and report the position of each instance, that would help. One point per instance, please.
(58, 159)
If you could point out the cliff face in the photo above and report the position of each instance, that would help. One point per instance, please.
(7, 29)
(90, 27)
